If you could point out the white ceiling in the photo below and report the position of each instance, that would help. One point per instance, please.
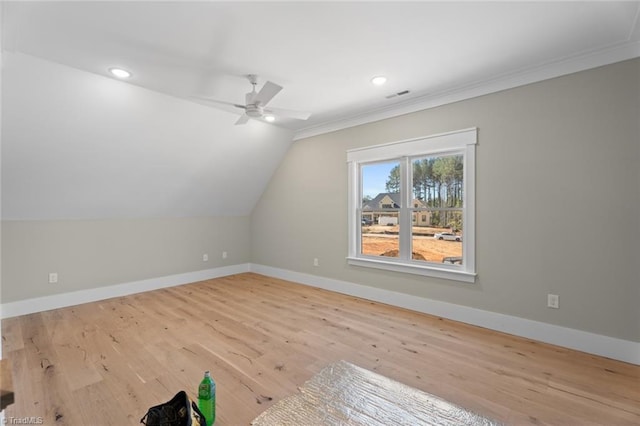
(325, 53)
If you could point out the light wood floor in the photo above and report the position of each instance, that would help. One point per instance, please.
(105, 363)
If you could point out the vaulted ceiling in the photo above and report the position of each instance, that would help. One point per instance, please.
(73, 132)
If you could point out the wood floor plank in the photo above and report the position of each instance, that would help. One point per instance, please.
(106, 363)
(50, 396)
(13, 340)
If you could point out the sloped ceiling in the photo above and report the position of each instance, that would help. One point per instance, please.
(76, 143)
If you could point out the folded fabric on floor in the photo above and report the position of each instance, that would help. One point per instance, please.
(345, 394)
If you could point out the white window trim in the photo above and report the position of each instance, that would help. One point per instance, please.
(464, 141)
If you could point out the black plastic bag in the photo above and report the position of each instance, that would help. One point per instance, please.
(179, 411)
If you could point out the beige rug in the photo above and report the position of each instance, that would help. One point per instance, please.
(345, 394)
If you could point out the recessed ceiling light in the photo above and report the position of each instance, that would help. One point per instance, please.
(120, 73)
(270, 118)
(379, 80)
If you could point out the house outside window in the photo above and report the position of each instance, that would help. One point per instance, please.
(411, 206)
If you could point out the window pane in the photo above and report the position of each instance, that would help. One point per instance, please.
(438, 181)
(380, 186)
(432, 242)
(380, 234)
(380, 204)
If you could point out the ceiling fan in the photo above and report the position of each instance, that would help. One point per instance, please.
(256, 103)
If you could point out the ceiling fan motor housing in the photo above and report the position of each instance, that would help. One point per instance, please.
(253, 110)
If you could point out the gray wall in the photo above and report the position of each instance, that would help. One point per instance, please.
(558, 202)
(93, 253)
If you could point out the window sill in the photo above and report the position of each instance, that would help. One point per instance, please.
(411, 268)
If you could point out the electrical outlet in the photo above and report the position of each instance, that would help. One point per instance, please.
(205, 257)
(224, 254)
(53, 277)
(315, 262)
(553, 301)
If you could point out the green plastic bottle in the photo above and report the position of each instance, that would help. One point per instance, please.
(207, 398)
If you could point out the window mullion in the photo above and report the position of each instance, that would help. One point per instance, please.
(354, 203)
(405, 209)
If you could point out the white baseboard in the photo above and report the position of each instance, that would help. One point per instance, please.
(592, 343)
(619, 349)
(45, 303)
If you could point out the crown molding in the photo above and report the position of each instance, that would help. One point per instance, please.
(579, 62)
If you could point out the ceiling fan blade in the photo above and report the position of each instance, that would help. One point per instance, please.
(243, 119)
(268, 91)
(214, 101)
(287, 113)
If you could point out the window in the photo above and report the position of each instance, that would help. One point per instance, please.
(411, 206)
